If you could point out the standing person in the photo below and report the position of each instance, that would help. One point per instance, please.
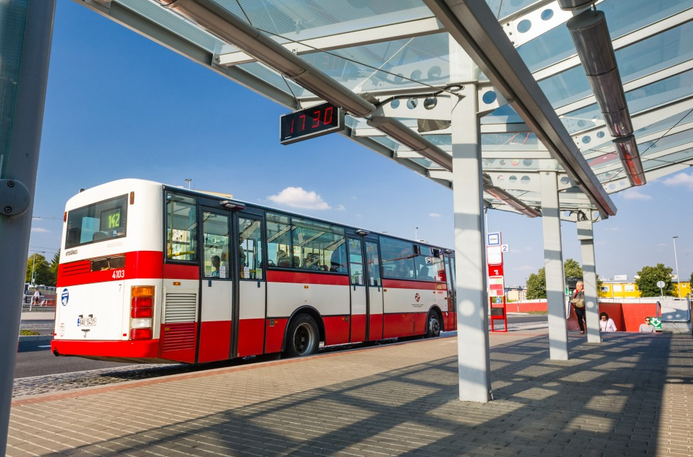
(578, 302)
(646, 327)
(606, 324)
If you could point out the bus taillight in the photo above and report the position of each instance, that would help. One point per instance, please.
(141, 312)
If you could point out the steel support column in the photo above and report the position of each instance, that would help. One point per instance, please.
(25, 40)
(553, 266)
(589, 276)
(470, 251)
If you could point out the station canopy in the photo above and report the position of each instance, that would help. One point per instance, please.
(392, 66)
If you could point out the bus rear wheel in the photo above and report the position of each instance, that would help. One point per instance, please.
(433, 325)
(303, 337)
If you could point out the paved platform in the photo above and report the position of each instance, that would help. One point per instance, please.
(626, 396)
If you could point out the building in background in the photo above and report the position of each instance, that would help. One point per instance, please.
(620, 287)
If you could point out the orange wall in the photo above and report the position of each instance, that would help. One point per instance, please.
(626, 316)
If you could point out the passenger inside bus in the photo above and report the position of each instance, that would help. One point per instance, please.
(312, 261)
(216, 261)
(424, 273)
(283, 259)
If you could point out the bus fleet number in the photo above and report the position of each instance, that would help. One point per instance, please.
(118, 274)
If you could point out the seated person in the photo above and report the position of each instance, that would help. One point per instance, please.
(423, 273)
(283, 259)
(311, 262)
(606, 324)
(646, 327)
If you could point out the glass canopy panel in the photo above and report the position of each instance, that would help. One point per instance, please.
(622, 17)
(659, 93)
(298, 20)
(649, 56)
(175, 24)
(644, 98)
(398, 64)
(668, 142)
(665, 161)
(504, 8)
(502, 115)
(272, 77)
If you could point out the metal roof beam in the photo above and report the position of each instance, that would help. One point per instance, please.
(474, 27)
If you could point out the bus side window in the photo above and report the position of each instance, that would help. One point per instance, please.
(181, 228)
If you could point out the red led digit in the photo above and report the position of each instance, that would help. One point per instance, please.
(328, 115)
(316, 118)
(292, 126)
(303, 118)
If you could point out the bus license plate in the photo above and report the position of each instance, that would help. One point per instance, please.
(86, 321)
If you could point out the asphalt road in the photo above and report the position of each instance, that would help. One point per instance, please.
(35, 358)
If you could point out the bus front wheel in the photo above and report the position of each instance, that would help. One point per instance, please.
(303, 337)
(433, 325)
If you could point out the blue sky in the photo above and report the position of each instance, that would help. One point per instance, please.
(120, 106)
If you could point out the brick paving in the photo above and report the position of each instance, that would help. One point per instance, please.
(626, 396)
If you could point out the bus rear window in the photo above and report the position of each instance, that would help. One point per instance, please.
(100, 221)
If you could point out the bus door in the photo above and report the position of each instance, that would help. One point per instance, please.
(216, 287)
(249, 274)
(374, 285)
(452, 292)
(366, 290)
(357, 290)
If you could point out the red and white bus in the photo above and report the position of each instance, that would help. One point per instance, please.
(155, 273)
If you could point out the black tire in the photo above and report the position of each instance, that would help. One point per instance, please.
(303, 337)
(433, 325)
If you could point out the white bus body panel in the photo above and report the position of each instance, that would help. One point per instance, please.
(284, 298)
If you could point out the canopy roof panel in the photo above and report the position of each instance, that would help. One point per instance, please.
(395, 57)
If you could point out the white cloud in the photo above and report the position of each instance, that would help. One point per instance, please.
(296, 197)
(681, 179)
(435, 215)
(635, 194)
(39, 230)
(340, 208)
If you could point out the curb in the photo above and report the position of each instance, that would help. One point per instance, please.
(35, 338)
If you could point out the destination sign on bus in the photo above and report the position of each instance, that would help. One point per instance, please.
(110, 220)
(309, 123)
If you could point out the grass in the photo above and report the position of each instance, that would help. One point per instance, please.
(542, 313)
(28, 332)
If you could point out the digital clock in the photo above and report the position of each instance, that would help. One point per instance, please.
(309, 123)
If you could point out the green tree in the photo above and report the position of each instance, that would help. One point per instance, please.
(53, 267)
(648, 278)
(572, 269)
(38, 269)
(536, 283)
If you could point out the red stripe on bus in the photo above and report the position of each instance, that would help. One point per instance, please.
(275, 335)
(251, 336)
(376, 327)
(358, 328)
(177, 271)
(146, 349)
(139, 264)
(307, 278)
(215, 341)
(336, 329)
(404, 324)
(411, 284)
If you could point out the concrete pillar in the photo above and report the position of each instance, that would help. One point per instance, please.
(553, 266)
(25, 37)
(589, 276)
(474, 366)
